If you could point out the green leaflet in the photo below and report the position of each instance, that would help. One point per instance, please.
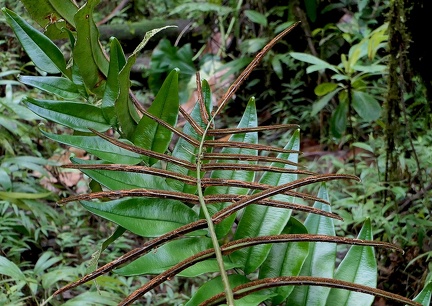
(285, 259)
(115, 180)
(41, 50)
(77, 116)
(98, 147)
(151, 135)
(321, 259)
(126, 113)
(358, 266)
(147, 217)
(10, 269)
(214, 286)
(248, 120)
(112, 89)
(185, 150)
(259, 220)
(316, 63)
(424, 297)
(58, 86)
(172, 253)
(8, 195)
(87, 53)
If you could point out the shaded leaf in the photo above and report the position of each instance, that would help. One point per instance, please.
(147, 217)
(256, 17)
(248, 120)
(172, 253)
(285, 259)
(317, 64)
(321, 259)
(75, 115)
(58, 86)
(151, 135)
(41, 50)
(214, 287)
(339, 119)
(366, 105)
(260, 220)
(358, 266)
(98, 147)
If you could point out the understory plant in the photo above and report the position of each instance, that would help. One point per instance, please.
(205, 199)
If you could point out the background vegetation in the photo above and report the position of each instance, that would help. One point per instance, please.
(352, 76)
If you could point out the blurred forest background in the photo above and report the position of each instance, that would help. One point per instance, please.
(355, 75)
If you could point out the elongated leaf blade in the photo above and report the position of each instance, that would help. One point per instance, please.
(185, 150)
(172, 253)
(98, 147)
(10, 269)
(321, 259)
(115, 180)
(87, 53)
(146, 217)
(424, 297)
(77, 116)
(260, 220)
(285, 259)
(358, 266)
(248, 120)
(150, 134)
(112, 89)
(41, 50)
(58, 86)
(317, 64)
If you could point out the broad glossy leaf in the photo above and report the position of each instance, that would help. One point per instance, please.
(258, 220)
(366, 105)
(59, 86)
(98, 147)
(214, 286)
(77, 116)
(116, 180)
(41, 50)
(358, 266)
(151, 135)
(112, 90)
(256, 17)
(321, 259)
(317, 64)
(87, 53)
(324, 88)
(172, 253)
(338, 121)
(248, 120)
(285, 259)
(185, 150)
(147, 217)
